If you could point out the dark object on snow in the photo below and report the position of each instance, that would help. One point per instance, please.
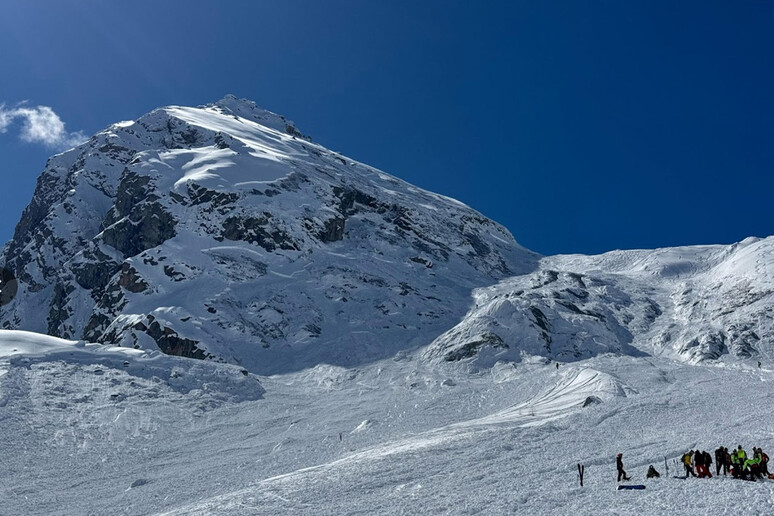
(581, 469)
(652, 473)
(591, 400)
(619, 467)
(638, 486)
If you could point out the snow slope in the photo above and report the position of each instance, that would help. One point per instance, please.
(692, 303)
(415, 438)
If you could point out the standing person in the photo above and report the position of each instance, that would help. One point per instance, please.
(735, 469)
(708, 464)
(698, 461)
(719, 458)
(741, 455)
(757, 468)
(726, 461)
(687, 460)
(764, 464)
(619, 467)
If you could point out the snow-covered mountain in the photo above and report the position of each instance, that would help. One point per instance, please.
(692, 303)
(223, 232)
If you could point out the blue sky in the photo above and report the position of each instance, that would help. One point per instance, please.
(583, 126)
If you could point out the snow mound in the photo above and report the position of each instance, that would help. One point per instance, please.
(364, 426)
(327, 376)
(576, 388)
(119, 372)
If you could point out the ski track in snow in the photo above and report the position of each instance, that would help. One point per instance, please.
(416, 439)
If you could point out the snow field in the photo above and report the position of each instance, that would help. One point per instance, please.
(416, 439)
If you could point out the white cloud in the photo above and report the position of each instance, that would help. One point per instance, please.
(40, 124)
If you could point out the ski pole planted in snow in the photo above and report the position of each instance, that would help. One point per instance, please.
(581, 469)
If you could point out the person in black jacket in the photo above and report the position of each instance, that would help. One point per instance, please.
(720, 458)
(619, 466)
(698, 462)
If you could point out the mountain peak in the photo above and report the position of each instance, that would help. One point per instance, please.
(249, 110)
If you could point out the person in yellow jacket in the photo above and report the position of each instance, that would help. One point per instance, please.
(738, 457)
(741, 455)
(687, 460)
(753, 465)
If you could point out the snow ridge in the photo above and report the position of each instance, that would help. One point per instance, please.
(690, 303)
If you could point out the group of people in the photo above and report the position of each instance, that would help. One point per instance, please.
(698, 463)
(735, 462)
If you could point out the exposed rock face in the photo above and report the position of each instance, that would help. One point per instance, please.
(137, 221)
(223, 232)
